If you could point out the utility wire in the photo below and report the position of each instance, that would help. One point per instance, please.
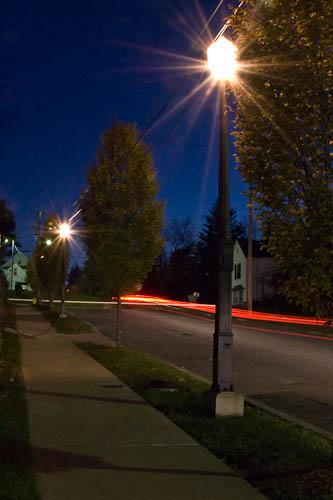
(176, 91)
(169, 100)
(223, 29)
(180, 86)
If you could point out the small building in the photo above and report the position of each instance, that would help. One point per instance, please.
(15, 271)
(263, 272)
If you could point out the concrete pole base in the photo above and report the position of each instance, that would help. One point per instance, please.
(229, 404)
(62, 315)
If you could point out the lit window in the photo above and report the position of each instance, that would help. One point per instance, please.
(238, 272)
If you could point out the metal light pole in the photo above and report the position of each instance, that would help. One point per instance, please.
(12, 266)
(222, 63)
(64, 234)
(249, 270)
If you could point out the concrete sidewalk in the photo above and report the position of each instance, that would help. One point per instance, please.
(93, 438)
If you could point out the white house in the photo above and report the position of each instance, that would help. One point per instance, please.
(15, 271)
(263, 271)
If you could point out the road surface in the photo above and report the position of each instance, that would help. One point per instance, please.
(291, 373)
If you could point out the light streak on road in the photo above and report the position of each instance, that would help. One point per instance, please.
(236, 312)
(149, 300)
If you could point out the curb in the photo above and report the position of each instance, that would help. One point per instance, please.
(257, 404)
(289, 418)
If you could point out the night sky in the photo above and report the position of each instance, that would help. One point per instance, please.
(68, 69)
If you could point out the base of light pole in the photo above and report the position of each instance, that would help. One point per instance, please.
(229, 404)
(62, 315)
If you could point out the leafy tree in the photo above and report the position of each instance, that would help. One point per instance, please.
(208, 252)
(182, 272)
(179, 233)
(7, 227)
(32, 276)
(180, 278)
(74, 275)
(156, 281)
(49, 261)
(284, 138)
(122, 218)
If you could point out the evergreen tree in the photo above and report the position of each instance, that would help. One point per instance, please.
(284, 138)
(122, 218)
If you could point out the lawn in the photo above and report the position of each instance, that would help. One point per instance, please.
(283, 460)
(70, 325)
(17, 478)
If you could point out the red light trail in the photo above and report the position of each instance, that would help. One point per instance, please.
(236, 312)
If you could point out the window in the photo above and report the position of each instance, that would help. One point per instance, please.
(237, 270)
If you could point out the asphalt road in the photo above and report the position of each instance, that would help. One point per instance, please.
(291, 373)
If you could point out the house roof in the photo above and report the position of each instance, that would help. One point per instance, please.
(19, 259)
(257, 250)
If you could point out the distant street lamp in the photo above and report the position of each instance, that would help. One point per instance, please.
(222, 63)
(64, 231)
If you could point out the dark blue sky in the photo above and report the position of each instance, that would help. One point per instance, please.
(68, 70)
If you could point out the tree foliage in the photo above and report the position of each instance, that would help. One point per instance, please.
(284, 138)
(156, 281)
(122, 218)
(179, 233)
(49, 263)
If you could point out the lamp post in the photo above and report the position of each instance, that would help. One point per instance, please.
(12, 266)
(64, 234)
(222, 63)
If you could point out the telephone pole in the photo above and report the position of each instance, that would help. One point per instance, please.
(12, 267)
(37, 235)
(249, 263)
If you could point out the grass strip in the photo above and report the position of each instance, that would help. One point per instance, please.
(281, 459)
(17, 478)
(69, 325)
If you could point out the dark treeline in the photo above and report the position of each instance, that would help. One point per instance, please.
(188, 264)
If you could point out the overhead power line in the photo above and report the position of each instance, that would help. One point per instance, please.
(166, 105)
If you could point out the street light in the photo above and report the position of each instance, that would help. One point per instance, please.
(222, 60)
(223, 65)
(64, 231)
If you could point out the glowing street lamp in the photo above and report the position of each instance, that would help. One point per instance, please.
(223, 65)
(222, 60)
(64, 231)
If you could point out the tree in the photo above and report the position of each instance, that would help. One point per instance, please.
(180, 278)
(182, 272)
(284, 138)
(32, 276)
(156, 281)
(208, 252)
(7, 227)
(122, 218)
(74, 275)
(179, 233)
(49, 260)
